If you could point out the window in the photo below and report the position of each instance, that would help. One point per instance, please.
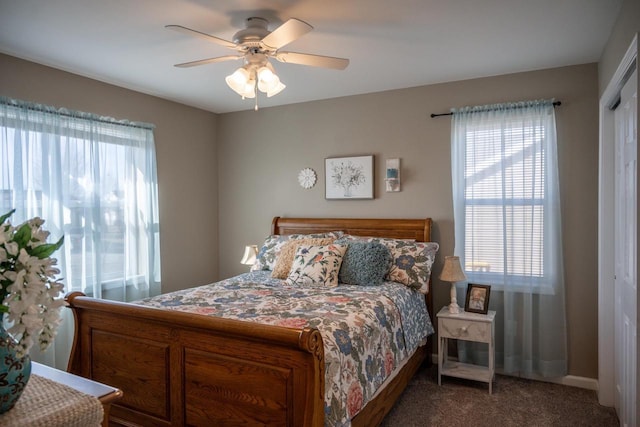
(506, 195)
(92, 179)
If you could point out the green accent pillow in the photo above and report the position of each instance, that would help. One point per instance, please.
(365, 264)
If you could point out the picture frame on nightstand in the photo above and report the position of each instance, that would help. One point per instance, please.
(477, 300)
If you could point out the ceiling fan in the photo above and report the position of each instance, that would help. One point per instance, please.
(255, 44)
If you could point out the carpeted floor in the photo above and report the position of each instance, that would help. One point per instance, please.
(514, 402)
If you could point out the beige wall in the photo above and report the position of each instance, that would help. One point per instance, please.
(626, 27)
(251, 175)
(186, 156)
(260, 154)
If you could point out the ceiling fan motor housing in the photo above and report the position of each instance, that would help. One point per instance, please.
(252, 35)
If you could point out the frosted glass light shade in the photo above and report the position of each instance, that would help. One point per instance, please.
(266, 79)
(249, 90)
(246, 80)
(279, 88)
(238, 80)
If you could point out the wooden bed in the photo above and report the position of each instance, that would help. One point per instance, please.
(179, 369)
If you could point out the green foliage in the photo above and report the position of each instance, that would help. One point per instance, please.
(6, 216)
(45, 250)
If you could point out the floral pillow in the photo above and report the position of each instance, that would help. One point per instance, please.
(268, 254)
(316, 265)
(288, 251)
(365, 264)
(411, 263)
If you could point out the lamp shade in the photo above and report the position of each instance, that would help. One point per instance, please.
(254, 76)
(276, 90)
(267, 79)
(452, 271)
(250, 253)
(238, 80)
(249, 90)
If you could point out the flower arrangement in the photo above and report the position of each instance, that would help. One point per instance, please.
(29, 291)
(347, 175)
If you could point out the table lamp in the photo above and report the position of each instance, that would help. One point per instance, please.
(250, 253)
(452, 272)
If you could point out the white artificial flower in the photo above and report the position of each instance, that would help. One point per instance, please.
(30, 295)
(10, 275)
(35, 222)
(5, 234)
(31, 318)
(12, 248)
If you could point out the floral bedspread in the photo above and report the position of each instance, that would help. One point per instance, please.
(367, 331)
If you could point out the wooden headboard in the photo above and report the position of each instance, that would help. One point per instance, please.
(418, 229)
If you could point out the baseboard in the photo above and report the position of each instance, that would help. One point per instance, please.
(570, 380)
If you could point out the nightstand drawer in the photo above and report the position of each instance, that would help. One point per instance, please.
(465, 330)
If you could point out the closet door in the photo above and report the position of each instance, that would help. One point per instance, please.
(626, 282)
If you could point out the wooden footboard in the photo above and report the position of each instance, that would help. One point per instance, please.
(178, 369)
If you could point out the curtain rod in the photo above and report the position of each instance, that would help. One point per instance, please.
(72, 113)
(555, 104)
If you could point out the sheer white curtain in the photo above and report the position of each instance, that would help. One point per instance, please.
(94, 180)
(508, 230)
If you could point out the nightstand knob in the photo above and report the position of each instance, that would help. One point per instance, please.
(463, 329)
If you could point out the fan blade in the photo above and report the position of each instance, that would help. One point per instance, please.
(190, 32)
(208, 61)
(313, 60)
(286, 33)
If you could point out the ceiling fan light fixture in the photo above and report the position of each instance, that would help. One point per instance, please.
(249, 90)
(276, 90)
(257, 45)
(238, 80)
(267, 80)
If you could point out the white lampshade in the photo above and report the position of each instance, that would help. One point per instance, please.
(279, 88)
(246, 80)
(250, 253)
(267, 80)
(249, 90)
(238, 80)
(452, 272)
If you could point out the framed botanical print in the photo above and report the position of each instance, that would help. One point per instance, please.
(349, 178)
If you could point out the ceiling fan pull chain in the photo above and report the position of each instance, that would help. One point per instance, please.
(256, 90)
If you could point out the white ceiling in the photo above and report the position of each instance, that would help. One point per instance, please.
(391, 44)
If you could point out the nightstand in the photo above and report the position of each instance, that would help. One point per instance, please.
(466, 326)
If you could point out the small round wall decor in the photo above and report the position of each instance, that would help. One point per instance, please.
(307, 178)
